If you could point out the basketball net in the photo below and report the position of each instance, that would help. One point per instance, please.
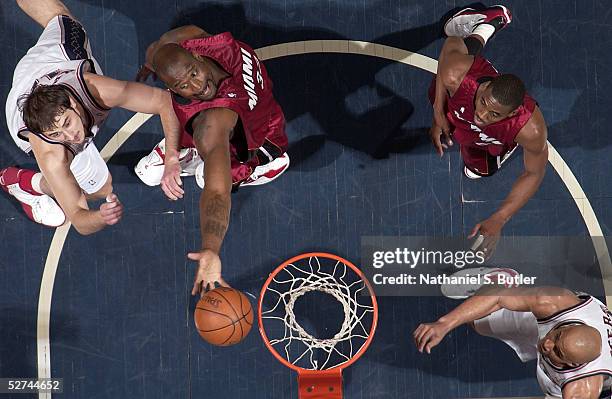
(318, 360)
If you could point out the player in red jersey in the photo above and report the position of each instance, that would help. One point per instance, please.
(487, 113)
(222, 96)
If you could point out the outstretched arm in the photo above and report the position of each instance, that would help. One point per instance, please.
(453, 63)
(532, 138)
(541, 301)
(54, 162)
(212, 129)
(139, 97)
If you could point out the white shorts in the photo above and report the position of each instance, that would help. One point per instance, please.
(517, 329)
(89, 169)
(63, 44)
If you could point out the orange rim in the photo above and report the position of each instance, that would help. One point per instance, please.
(325, 255)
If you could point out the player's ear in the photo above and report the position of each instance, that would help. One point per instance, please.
(547, 345)
(73, 103)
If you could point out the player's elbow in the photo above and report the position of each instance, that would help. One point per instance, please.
(451, 77)
(82, 229)
(81, 223)
(219, 187)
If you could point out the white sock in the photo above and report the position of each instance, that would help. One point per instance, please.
(36, 179)
(485, 31)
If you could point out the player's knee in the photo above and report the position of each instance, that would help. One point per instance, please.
(43, 12)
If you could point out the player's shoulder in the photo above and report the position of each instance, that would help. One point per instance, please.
(585, 387)
(549, 301)
(105, 91)
(534, 132)
(52, 155)
(97, 82)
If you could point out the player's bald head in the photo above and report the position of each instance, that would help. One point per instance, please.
(581, 344)
(170, 60)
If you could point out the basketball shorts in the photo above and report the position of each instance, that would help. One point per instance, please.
(519, 330)
(244, 162)
(89, 169)
(481, 162)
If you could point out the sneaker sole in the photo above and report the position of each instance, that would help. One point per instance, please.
(265, 180)
(504, 9)
(456, 14)
(466, 171)
(506, 13)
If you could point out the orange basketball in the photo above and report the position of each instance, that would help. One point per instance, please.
(223, 316)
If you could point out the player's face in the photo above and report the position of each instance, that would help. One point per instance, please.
(68, 128)
(192, 79)
(553, 347)
(487, 109)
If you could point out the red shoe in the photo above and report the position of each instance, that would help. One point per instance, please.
(40, 208)
(266, 173)
(465, 21)
(261, 175)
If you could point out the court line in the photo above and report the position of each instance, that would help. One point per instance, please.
(284, 50)
(43, 344)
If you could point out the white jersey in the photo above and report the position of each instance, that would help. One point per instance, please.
(60, 56)
(589, 312)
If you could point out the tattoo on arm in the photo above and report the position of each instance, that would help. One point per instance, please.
(215, 228)
(217, 208)
(215, 219)
(200, 125)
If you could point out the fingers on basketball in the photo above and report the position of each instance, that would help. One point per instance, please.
(223, 316)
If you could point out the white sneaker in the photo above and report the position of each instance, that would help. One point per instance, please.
(469, 174)
(261, 175)
(463, 23)
(477, 275)
(40, 208)
(199, 175)
(150, 169)
(265, 174)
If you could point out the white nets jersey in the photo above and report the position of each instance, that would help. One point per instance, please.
(61, 56)
(590, 312)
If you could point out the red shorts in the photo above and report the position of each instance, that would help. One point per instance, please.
(275, 144)
(481, 162)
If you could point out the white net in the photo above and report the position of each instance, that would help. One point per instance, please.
(332, 280)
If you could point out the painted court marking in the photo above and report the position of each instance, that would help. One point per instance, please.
(284, 50)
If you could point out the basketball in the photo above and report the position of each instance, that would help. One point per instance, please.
(223, 316)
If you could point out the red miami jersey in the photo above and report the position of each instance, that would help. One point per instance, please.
(497, 138)
(247, 91)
